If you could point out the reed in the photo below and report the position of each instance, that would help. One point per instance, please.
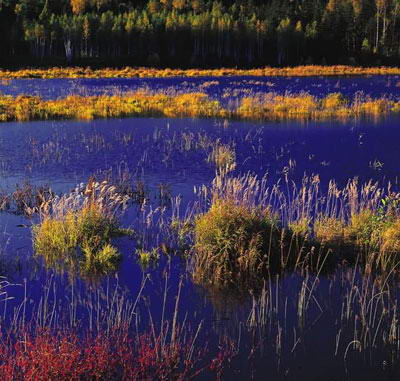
(232, 243)
(269, 107)
(77, 229)
(115, 345)
(252, 230)
(27, 199)
(142, 72)
(224, 158)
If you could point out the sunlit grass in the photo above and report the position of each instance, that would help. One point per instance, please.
(81, 237)
(251, 230)
(78, 229)
(269, 106)
(224, 158)
(142, 72)
(232, 242)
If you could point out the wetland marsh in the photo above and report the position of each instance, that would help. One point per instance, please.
(205, 248)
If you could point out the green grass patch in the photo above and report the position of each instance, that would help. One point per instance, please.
(233, 243)
(80, 237)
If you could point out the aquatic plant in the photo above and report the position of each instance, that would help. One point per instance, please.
(143, 72)
(86, 232)
(147, 258)
(251, 230)
(232, 244)
(329, 230)
(224, 158)
(181, 232)
(334, 101)
(27, 199)
(268, 106)
(300, 227)
(114, 345)
(46, 354)
(79, 228)
(364, 229)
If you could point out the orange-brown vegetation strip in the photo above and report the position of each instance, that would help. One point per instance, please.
(195, 105)
(130, 72)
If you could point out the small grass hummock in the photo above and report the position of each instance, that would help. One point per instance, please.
(232, 243)
(80, 230)
(83, 236)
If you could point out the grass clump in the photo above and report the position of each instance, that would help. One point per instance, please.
(233, 242)
(329, 230)
(364, 229)
(334, 102)
(148, 258)
(253, 229)
(224, 158)
(80, 228)
(391, 238)
(300, 227)
(83, 236)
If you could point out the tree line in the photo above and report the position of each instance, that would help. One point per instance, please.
(200, 33)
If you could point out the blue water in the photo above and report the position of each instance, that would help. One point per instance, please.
(65, 153)
(226, 89)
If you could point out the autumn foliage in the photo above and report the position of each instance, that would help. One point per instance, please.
(64, 355)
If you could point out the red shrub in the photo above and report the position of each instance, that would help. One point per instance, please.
(59, 356)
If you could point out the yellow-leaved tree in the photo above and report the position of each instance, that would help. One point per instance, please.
(78, 6)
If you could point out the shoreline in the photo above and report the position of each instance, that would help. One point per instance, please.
(143, 72)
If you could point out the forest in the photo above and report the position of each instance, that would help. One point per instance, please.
(199, 33)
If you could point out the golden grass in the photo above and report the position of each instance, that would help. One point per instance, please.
(142, 72)
(224, 158)
(390, 238)
(308, 107)
(80, 237)
(270, 106)
(252, 229)
(23, 108)
(231, 243)
(329, 230)
(76, 231)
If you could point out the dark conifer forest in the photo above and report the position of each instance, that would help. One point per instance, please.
(199, 33)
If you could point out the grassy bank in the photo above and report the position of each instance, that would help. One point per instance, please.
(270, 106)
(142, 72)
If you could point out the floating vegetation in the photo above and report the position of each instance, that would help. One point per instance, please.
(148, 258)
(269, 106)
(142, 72)
(79, 228)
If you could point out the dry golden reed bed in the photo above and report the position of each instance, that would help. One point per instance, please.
(129, 72)
(194, 105)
